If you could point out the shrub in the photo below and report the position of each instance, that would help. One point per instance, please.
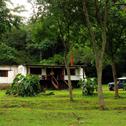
(89, 86)
(24, 86)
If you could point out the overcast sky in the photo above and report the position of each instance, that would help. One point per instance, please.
(28, 7)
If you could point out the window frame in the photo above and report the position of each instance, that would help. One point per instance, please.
(3, 73)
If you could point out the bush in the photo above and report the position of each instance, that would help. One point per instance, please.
(24, 86)
(89, 86)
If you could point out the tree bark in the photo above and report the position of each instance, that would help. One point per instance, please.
(99, 80)
(69, 80)
(115, 79)
(98, 51)
(65, 61)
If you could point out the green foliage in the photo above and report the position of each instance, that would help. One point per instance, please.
(89, 86)
(16, 38)
(7, 54)
(116, 32)
(24, 86)
(81, 54)
(44, 39)
(56, 59)
(41, 31)
(7, 18)
(124, 86)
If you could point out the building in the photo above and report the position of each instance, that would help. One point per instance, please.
(54, 74)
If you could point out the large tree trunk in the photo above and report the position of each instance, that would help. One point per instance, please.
(69, 80)
(115, 79)
(98, 50)
(99, 80)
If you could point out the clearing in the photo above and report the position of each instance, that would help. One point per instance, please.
(56, 110)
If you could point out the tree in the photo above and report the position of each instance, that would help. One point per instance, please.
(42, 40)
(7, 19)
(61, 15)
(97, 25)
(17, 40)
(8, 54)
(116, 39)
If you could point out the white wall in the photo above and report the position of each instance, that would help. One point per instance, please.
(78, 74)
(73, 77)
(12, 72)
(44, 72)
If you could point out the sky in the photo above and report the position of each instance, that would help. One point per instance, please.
(28, 7)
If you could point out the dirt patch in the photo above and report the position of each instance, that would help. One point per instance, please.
(4, 86)
(119, 108)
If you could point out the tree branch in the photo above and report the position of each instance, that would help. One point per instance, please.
(104, 27)
(89, 26)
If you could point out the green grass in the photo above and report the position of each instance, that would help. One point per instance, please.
(57, 110)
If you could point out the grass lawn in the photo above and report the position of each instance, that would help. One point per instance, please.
(57, 110)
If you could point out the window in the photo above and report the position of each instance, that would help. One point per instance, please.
(36, 71)
(3, 73)
(72, 71)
